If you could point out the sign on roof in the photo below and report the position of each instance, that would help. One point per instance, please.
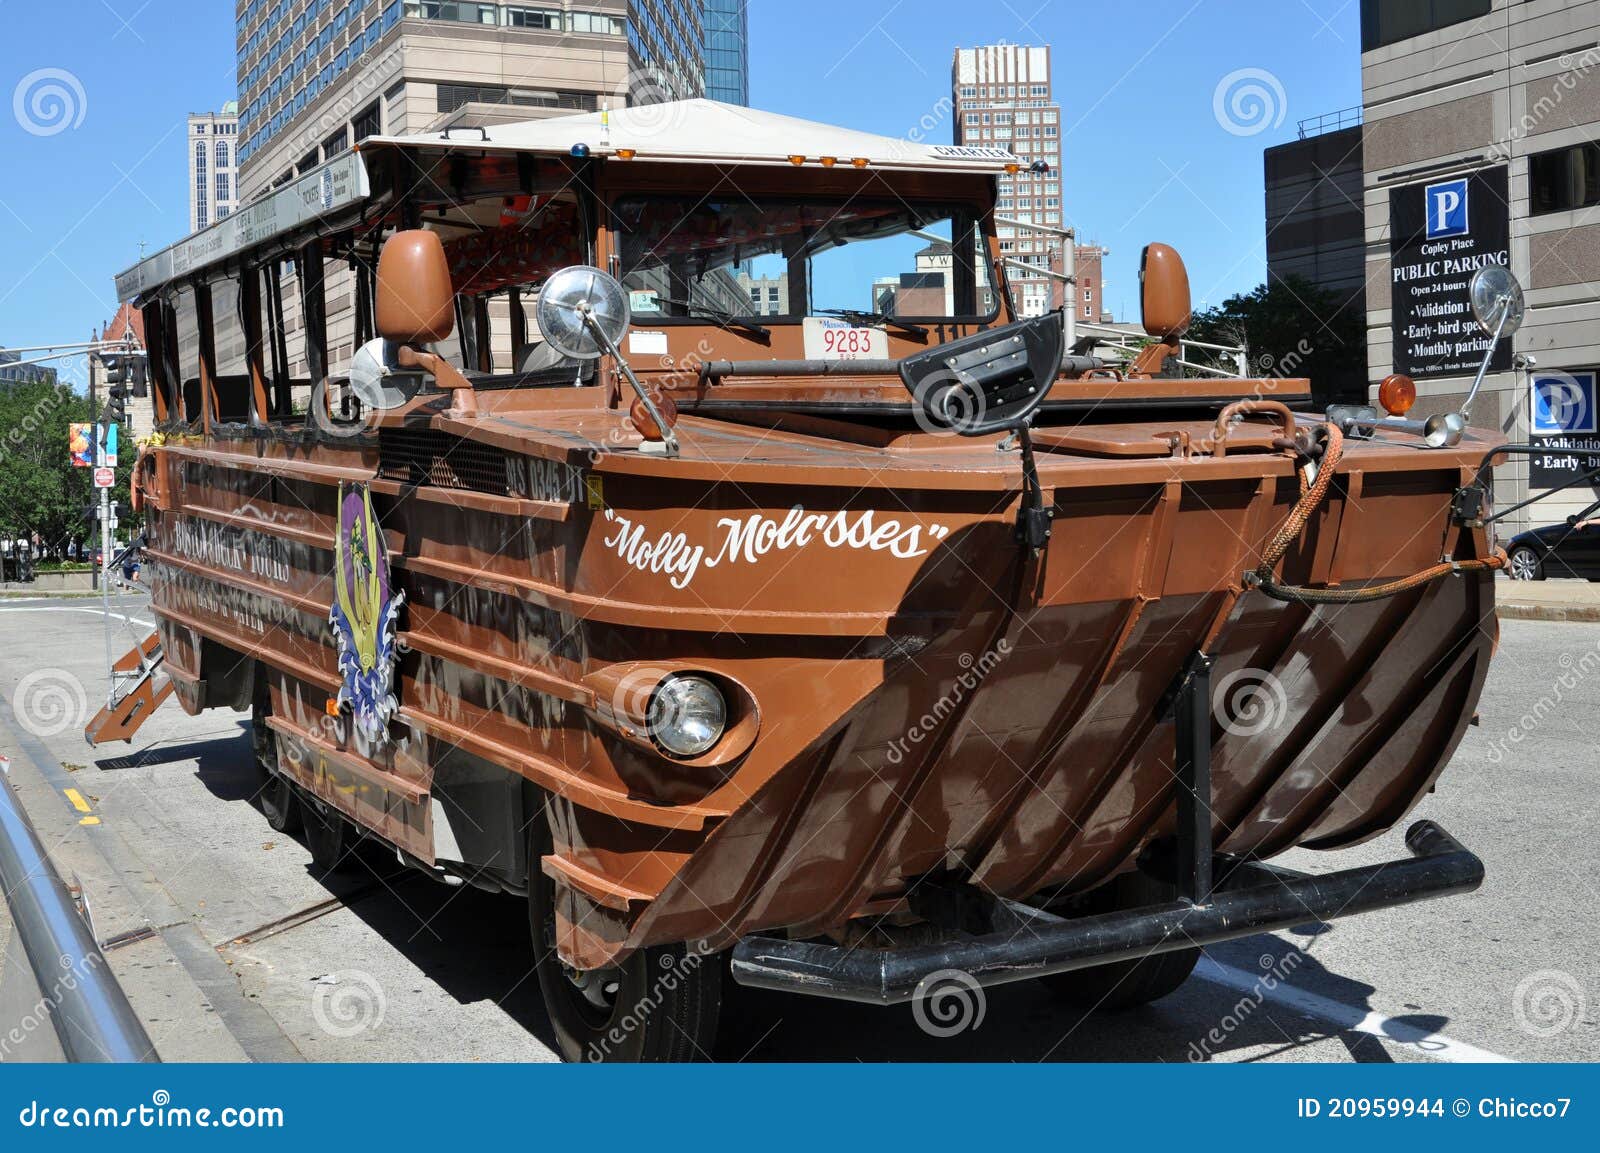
(334, 186)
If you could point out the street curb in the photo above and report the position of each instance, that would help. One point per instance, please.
(11, 595)
(1578, 614)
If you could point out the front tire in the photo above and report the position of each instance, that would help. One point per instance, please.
(661, 1004)
(1525, 565)
(1124, 985)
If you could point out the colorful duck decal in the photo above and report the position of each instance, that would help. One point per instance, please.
(364, 614)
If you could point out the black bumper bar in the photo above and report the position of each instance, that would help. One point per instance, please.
(1252, 899)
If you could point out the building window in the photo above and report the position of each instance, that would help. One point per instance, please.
(367, 122)
(1564, 179)
(222, 154)
(1385, 22)
(224, 187)
(549, 18)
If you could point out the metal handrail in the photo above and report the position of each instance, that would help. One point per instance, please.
(88, 1009)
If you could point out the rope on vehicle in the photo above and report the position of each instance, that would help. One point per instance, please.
(1312, 496)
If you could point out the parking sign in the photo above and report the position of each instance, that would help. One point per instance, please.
(1447, 209)
(1562, 403)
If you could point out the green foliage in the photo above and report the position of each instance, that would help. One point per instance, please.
(40, 491)
(1294, 329)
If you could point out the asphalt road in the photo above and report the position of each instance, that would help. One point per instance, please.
(231, 949)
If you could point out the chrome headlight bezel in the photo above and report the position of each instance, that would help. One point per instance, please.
(687, 715)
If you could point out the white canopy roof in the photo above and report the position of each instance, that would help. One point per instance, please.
(707, 131)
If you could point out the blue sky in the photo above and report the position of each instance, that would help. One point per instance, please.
(1145, 156)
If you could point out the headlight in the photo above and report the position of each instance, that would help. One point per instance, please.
(687, 715)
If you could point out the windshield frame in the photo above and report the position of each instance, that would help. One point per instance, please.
(953, 209)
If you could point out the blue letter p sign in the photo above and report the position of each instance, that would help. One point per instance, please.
(1447, 209)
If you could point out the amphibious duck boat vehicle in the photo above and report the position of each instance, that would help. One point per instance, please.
(664, 515)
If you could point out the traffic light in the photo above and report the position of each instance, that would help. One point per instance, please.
(116, 369)
(139, 377)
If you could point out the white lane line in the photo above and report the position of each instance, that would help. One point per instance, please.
(66, 609)
(1350, 1018)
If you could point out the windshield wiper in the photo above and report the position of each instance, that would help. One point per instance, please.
(865, 319)
(723, 320)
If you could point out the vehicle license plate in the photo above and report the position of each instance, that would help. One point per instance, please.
(828, 338)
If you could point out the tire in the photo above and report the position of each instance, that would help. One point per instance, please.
(327, 835)
(661, 1004)
(1525, 565)
(1124, 985)
(277, 795)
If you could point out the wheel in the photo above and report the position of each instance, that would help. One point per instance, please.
(1525, 565)
(661, 1004)
(277, 796)
(1126, 984)
(327, 834)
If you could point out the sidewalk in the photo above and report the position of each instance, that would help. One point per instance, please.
(1548, 600)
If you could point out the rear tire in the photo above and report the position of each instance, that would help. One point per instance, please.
(661, 1004)
(277, 796)
(327, 835)
(1125, 985)
(1525, 565)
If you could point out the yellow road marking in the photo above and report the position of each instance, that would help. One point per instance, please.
(90, 821)
(77, 801)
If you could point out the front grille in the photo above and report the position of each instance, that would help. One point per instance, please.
(425, 456)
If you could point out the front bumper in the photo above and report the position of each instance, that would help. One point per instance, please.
(1029, 943)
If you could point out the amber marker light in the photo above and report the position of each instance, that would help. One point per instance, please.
(829, 161)
(859, 162)
(1397, 394)
(1013, 169)
(797, 160)
(627, 153)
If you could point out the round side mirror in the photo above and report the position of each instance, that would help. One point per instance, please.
(371, 369)
(574, 297)
(1497, 302)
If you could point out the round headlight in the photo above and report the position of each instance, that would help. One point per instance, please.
(687, 715)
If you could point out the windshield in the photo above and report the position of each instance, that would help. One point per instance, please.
(784, 259)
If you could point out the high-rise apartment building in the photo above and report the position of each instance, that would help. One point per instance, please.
(1003, 98)
(213, 165)
(315, 76)
(727, 24)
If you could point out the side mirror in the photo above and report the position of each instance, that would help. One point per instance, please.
(989, 381)
(1498, 307)
(415, 300)
(1165, 307)
(583, 313)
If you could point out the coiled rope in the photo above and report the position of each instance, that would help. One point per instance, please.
(1312, 496)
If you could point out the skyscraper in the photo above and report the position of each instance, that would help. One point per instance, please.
(1003, 98)
(727, 52)
(315, 76)
(213, 165)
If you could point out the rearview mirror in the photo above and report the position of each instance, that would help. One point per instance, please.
(1497, 303)
(415, 301)
(990, 381)
(581, 311)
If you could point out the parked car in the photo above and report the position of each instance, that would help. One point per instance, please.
(1557, 550)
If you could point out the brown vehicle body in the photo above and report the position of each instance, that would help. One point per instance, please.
(910, 692)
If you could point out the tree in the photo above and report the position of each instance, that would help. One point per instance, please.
(40, 491)
(1292, 328)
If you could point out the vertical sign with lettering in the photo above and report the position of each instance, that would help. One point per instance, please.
(1440, 233)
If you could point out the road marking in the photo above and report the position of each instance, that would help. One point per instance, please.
(69, 609)
(77, 801)
(1349, 1018)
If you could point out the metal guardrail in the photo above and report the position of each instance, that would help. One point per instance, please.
(1330, 122)
(88, 1009)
